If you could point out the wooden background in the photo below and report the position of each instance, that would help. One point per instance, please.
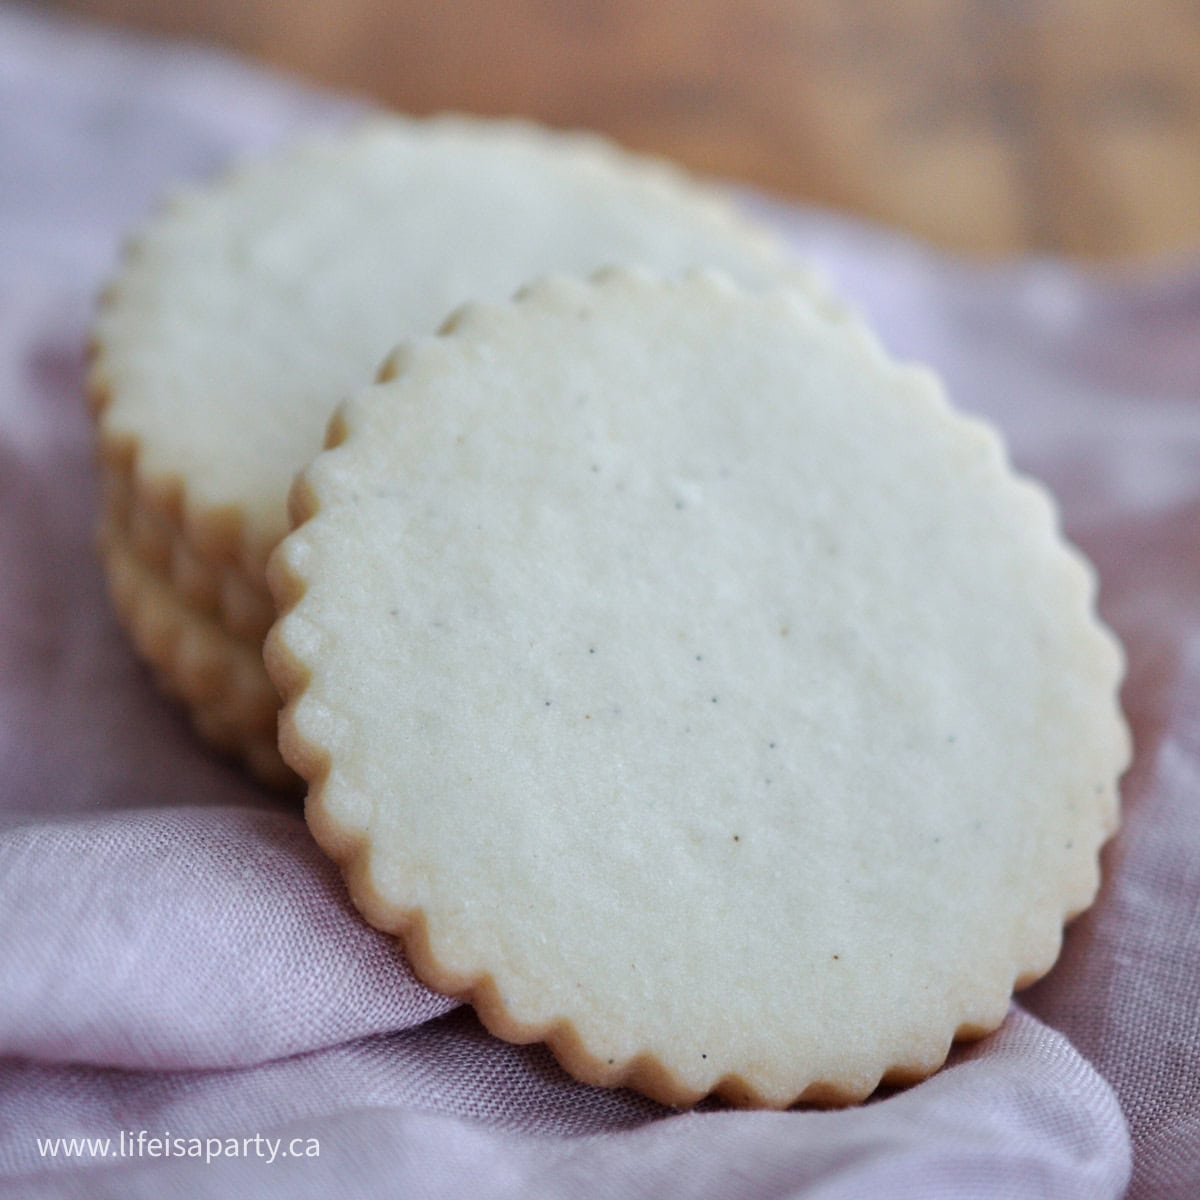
(990, 126)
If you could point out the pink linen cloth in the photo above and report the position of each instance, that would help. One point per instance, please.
(178, 961)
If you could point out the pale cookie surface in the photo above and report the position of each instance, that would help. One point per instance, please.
(246, 311)
(691, 688)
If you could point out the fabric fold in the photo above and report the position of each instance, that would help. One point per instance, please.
(186, 937)
(1022, 1114)
(177, 956)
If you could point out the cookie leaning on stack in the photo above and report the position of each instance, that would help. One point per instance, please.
(246, 311)
(690, 687)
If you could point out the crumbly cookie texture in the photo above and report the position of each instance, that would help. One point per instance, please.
(691, 688)
(248, 309)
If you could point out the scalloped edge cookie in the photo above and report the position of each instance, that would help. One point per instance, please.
(689, 687)
(150, 368)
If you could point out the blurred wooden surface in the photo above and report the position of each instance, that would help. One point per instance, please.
(991, 126)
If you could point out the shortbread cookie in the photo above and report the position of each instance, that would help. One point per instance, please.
(691, 688)
(215, 589)
(218, 677)
(247, 310)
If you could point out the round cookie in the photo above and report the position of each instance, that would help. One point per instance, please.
(247, 310)
(691, 688)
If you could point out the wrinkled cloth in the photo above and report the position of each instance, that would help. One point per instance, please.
(177, 959)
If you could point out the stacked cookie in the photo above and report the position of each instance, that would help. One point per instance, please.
(682, 680)
(246, 311)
